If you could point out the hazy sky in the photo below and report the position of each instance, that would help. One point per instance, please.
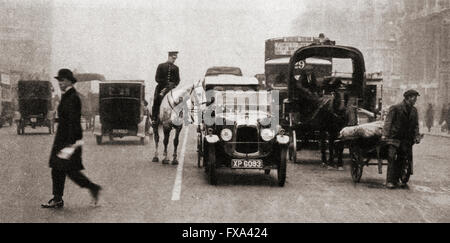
(127, 39)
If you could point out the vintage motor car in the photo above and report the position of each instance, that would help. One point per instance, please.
(36, 106)
(236, 130)
(122, 110)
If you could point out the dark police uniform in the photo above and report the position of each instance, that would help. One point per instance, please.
(401, 130)
(168, 77)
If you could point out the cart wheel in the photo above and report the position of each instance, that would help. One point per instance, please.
(199, 150)
(406, 172)
(293, 147)
(281, 173)
(267, 172)
(99, 139)
(212, 177)
(356, 164)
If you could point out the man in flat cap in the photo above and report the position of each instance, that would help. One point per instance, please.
(65, 158)
(401, 132)
(168, 77)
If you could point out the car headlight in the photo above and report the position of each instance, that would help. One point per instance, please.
(267, 134)
(226, 134)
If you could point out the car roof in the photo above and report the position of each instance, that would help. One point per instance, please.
(230, 80)
(123, 82)
(309, 60)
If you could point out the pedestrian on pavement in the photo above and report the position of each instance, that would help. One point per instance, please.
(445, 117)
(65, 158)
(429, 117)
(168, 77)
(401, 132)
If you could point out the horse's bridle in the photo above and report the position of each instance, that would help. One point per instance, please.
(172, 106)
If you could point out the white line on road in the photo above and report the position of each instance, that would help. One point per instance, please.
(176, 191)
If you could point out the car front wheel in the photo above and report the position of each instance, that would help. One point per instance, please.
(282, 166)
(212, 176)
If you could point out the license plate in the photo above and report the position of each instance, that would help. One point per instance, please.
(246, 163)
(33, 119)
(120, 131)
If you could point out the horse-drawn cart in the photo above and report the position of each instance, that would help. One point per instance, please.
(364, 150)
(318, 104)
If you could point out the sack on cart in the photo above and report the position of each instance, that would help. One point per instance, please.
(372, 129)
(367, 130)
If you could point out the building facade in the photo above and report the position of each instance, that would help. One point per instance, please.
(25, 38)
(424, 51)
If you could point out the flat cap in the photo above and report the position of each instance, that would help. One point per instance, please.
(411, 92)
(171, 53)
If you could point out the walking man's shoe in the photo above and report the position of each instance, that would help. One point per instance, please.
(53, 204)
(95, 193)
(390, 185)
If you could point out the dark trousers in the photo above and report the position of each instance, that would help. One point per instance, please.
(59, 179)
(397, 157)
(160, 92)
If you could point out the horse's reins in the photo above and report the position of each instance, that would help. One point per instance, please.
(172, 106)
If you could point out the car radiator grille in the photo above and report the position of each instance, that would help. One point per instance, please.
(247, 140)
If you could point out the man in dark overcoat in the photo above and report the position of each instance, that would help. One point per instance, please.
(168, 77)
(401, 131)
(65, 158)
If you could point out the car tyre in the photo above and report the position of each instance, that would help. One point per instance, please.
(281, 173)
(212, 176)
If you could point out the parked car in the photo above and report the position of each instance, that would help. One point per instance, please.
(122, 110)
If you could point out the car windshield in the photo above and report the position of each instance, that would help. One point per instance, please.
(223, 70)
(117, 90)
(34, 90)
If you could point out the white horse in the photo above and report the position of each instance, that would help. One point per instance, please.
(175, 111)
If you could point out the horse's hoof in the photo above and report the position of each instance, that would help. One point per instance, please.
(165, 161)
(155, 159)
(174, 162)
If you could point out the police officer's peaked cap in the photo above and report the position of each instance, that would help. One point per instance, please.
(410, 92)
(171, 53)
(66, 74)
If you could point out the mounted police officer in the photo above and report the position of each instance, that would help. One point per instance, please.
(168, 77)
(401, 131)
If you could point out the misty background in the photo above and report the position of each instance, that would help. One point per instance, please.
(128, 39)
(405, 40)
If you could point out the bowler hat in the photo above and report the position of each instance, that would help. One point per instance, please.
(410, 92)
(66, 74)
